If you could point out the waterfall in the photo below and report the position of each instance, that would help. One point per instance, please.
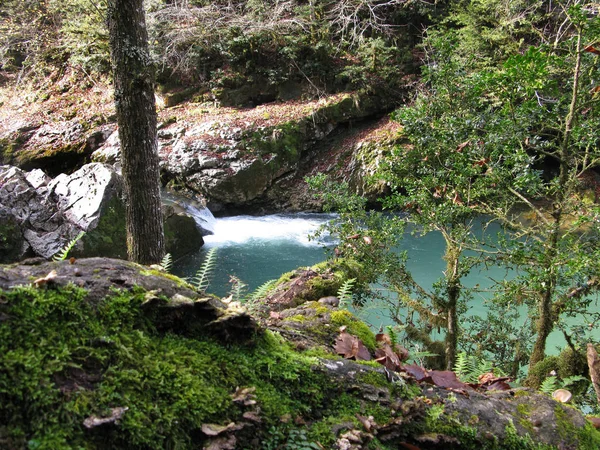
(202, 215)
(293, 228)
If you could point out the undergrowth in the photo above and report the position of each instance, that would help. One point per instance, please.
(64, 360)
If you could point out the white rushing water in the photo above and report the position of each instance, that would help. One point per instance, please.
(294, 229)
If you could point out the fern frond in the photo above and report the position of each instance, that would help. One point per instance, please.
(568, 381)
(549, 385)
(261, 291)
(237, 288)
(344, 293)
(466, 368)
(392, 335)
(62, 254)
(202, 278)
(484, 366)
(167, 262)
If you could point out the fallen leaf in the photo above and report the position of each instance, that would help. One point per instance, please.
(45, 280)
(460, 147)
(447, 379)
(382, 338)
(498, 385)
(387, 358)
(212, 429)
(275, 315)
(115, 415)
(351, 347)
(402, 352)
(595, 421)
(417, 372)
(486, 377)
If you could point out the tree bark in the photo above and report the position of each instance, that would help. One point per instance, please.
(453, 294)
(594, 367)
(136, 117)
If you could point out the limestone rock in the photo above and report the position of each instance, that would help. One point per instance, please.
(39, 215)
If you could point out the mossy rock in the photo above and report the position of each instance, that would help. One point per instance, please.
(72, 367)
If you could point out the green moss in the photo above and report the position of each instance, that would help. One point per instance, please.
(65, 360)
(541, 371)
(297, 318)
(169, 276)
(355, 327)
(587, 437)
(524, 410)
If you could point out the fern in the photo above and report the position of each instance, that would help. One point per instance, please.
(62, 254)
(392, 335)
(549, 385)
(202, 278)
(466, 367)
(572, 380)
(261, 291)
(344, 293)
(167, 262)
(237, 288)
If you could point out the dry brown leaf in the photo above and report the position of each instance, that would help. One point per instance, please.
(212, 429)
(592, 49)
(382, 338)
(386, 357)
(417, 372)
(595, 421)
(351, 347)
(447, 379)
(115, 415)
(45, 280)
(486, 377)
(498, 385)
(460, 147)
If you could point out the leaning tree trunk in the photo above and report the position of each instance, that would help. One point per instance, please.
(136, 116)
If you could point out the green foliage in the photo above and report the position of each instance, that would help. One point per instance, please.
(468, 367)
(261, 291)
(62, 254)
(344, 293)
(202, 278)
(167, 262)
(369, 237)
(238, 288)
(65, 359)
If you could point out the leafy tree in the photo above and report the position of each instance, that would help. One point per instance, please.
(513, 142)
(136, 116)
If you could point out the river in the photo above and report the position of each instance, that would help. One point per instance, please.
(258, 249)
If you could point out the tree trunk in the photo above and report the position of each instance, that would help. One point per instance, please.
(544, 326)
(136, 116)
(453, 293)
